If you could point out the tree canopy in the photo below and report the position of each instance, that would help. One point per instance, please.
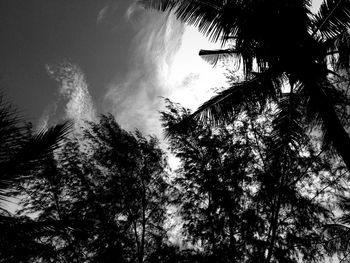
(280, 43)
(259, 177)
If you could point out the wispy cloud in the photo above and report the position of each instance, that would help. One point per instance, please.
(164, 63)
(74, 101)
(135, 99)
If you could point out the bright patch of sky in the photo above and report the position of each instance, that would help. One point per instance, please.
(165, 63)
(316, 5)
(125, 59)
(161, 61)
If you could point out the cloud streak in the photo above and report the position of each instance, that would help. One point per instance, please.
(135, 99)
(164, 62)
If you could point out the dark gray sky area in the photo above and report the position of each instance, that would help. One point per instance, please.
(37, 32)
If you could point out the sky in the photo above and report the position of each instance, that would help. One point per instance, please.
(78, 59)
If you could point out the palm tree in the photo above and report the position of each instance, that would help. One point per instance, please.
(21, 154)
(278, 42)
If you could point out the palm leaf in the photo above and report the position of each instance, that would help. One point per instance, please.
(213, 56)
(288, 129)
(240, 97)
(28, 155)
(36, 148)
(46, 141)
(333, 18)
(338, 48)
(214, 19)
(11, 130)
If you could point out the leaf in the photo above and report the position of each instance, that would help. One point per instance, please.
(36, 148)
(333, 18)
(246, 95)
(213, 56)
(288, 129)
(214, 19)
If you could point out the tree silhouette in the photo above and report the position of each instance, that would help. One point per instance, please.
(278, 42)
(113, 182)
(137, 172)
(21, 153)
(247, 196)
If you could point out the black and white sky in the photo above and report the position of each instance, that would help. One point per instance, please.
(80, 58)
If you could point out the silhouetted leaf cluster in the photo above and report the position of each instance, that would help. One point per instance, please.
(242, 189)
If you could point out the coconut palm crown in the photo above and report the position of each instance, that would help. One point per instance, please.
(278, 42)
(22, 153)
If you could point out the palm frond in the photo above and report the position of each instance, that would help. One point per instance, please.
(241, 96)
(338, 48)
(333, 18)
(244, 96)
(48, 140)
(215, 19)
(28, 156)
(37, 147)
(288, 129)
(213, 56)
(11, 130)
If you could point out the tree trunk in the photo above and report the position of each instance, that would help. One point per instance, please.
(137, 242)
(232, 237)
(273, 228)
(211, 223)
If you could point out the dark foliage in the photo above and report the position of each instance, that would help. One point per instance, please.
(22, 153)
(278, 41)
(114, 183)
(243, 190)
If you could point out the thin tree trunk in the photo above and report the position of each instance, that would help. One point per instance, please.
(232, 236)
(144, 221)
(211, 223)
(59, 214)
(277, 202)
(136, 240)
(142, 248)
(273, 228)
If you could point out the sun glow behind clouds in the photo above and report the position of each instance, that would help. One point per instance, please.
(191, 79)
(164, 62)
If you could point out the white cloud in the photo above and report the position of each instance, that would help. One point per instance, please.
(73, 96)
(164, 63)
(101, 16)
(135, 99)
